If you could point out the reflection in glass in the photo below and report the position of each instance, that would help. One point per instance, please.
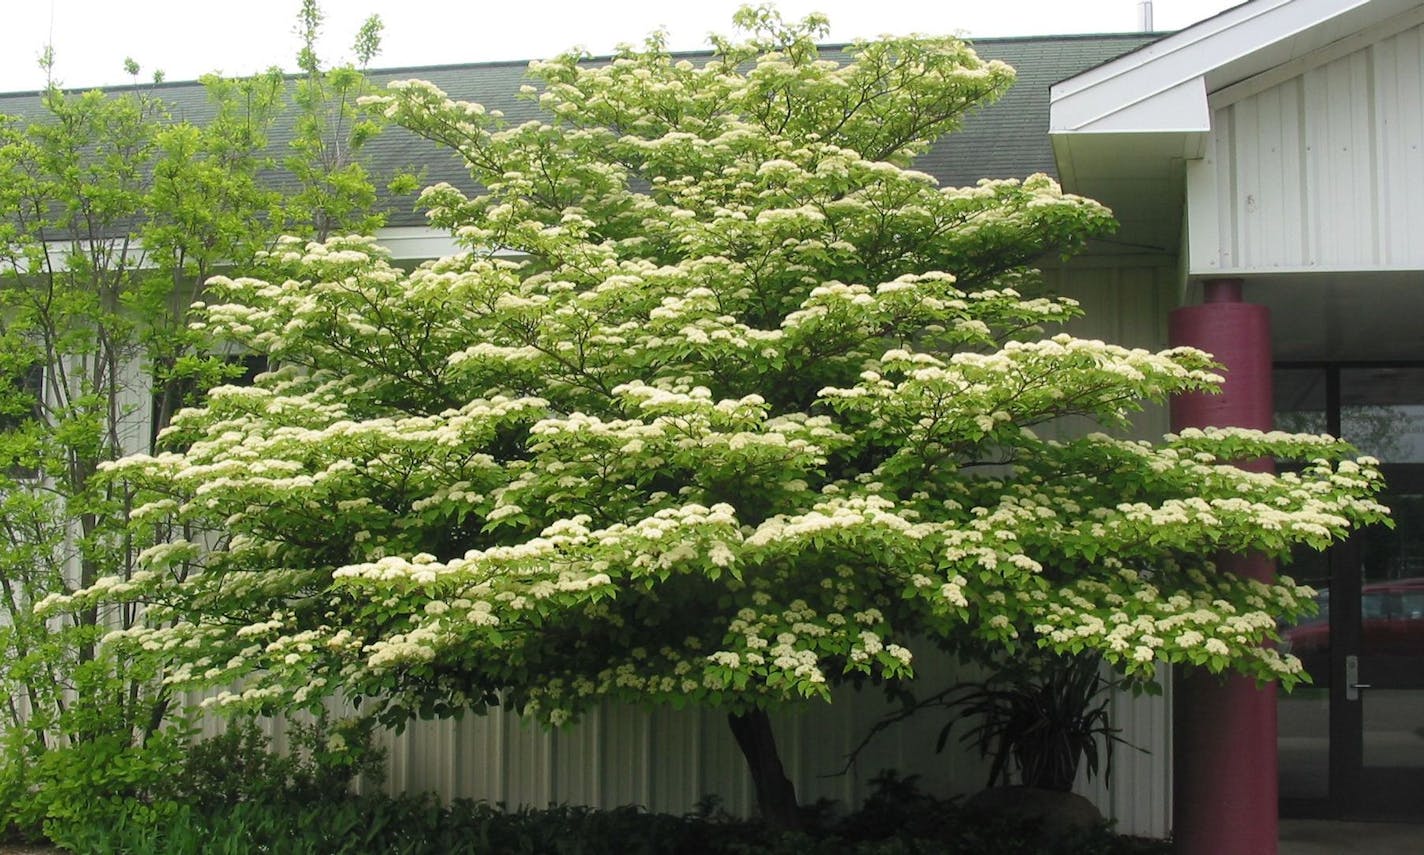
(1380, 409)
(1382, 412)
(1392, 598)
(1303, 716)
(1310, 638)
(1303, 743)
(1300, 400)
(1394, 729)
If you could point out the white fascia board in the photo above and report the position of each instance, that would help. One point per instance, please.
(58, 252)
(1131, 83)
(417, 243)
(405, 243)
(422, 243)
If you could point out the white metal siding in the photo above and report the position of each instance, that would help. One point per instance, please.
(1140, 796)
(1322, 171)
(1124, 302)
(668, 760)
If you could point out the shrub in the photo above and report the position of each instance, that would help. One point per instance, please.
(324, 757)
(897, 819)
(229, 793)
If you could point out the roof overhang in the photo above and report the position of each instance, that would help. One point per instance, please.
(1122, 131)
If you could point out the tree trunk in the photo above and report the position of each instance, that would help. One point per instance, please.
(776, 795)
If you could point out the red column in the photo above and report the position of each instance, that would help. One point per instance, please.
(1224, 729)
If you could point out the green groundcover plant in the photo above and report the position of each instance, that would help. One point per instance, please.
(722, 405)
(898, 819)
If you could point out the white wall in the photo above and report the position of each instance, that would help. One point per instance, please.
(1319, 170)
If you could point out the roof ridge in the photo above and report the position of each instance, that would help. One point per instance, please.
(521, 63)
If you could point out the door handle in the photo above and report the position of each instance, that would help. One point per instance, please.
(1352, 678)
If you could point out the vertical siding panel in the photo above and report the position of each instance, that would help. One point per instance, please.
(424, 742)
(643, 792)
(411, 746)
(1270, 213)
(673, 780)
(1317, 153)
(468, 759)
(397, 756)
(1410, 128)
(1350, 144)
(1334, 189)
(1225, 187)
(1141, 304)
(1246, 189)
(1386, 144)
(1134, 307)
(823, 735)
(1201, 227)
(429, 767)
(1139, 797)
(849, 786)
(462, 759)
(1362, 123)
(527, 759)
(491, 741)
(1290, 206)
(881, 753)
(580, 757)
(794, 756)
(1405, 129)
(135, 407)
(624, 756)
(724, 773)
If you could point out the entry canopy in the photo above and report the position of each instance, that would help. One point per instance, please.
(1122, 131)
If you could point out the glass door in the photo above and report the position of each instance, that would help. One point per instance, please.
(1352, 743)
(1384, 677)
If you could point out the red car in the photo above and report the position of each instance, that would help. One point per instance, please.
(1392, 616)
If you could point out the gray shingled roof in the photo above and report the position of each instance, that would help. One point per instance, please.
(1008, 139)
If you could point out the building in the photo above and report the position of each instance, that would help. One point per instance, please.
(1267, 160)
(1275, 150)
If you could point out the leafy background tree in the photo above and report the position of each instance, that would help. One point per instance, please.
(724, 405)
(113, 215)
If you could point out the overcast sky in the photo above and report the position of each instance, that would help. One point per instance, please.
(187, 38)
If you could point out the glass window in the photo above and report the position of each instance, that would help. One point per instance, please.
(1382, 412)
(1300, 400)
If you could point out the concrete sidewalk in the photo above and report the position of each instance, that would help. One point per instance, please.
(1328, 837)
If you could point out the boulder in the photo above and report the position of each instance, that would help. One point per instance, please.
(1056, 812)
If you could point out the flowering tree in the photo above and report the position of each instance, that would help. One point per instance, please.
(113, 214)
(723, 405)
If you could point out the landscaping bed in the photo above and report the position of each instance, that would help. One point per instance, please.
(898, 820)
